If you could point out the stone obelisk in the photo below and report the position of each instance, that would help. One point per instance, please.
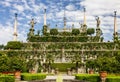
(45, 17)
(84, 16)
(115, 24)
(64, 20)
(15, 28)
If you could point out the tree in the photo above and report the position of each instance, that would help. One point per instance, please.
(108, 64)
(53, 31)
(75, 31)
(18, 63)
(4, 63)
(1, 47)
(90, 31)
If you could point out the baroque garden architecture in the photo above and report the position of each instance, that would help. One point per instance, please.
(63, 49)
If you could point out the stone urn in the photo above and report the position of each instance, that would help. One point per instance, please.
(91, 71)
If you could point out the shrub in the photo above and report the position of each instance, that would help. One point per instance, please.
(13, 45)
(75, 31)
(6, 78)
(30, 77)
(53, 31)
(90, 31)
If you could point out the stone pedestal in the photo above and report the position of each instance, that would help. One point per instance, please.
(68, 71)
(56, 71)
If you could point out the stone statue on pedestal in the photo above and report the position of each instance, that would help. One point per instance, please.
(98, 21)
(32, 23)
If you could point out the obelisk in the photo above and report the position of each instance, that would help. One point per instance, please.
(15, 28)
(64, 20)
(84, 16)
(115, 24)
(45, 17)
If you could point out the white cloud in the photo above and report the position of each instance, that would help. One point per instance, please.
(20, 8)
(70, 7)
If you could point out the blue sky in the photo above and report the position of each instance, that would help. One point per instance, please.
(28, 9)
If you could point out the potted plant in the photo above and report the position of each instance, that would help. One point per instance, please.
(17, 65)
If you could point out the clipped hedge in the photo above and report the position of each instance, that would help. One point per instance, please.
(59, 39)
(62, 67)
(96, 78)
(6, 78)
(113, 79)
(88, 77)
(30, 77)
(13, 45)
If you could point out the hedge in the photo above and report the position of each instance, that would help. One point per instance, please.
(59, 39)
(6, 78)
(96, 78)
(62, 67)
(113, 79)
(88, 77)
(30, 77)
(13, 45)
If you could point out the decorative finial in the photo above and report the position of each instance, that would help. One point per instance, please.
(45, 10)
(84, 9)
(115, 13)
(16, 14)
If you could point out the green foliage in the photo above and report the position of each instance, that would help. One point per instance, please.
(90, 31)
(91, 64)
(75, 31)
(6, 78)
(18, 64)
(13, 45)
(1, 47)
(53, 31)
(30, 77)
(59, 39)
(65, 33)
(62, 67)
(106, 64)
(88, 77)
(96, 78)
(113, 79)
(4, 63)
(11, 64)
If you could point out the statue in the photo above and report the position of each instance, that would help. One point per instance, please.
(98, 21)
(32, 23)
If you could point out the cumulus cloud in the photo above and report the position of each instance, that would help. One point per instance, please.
(28, 9)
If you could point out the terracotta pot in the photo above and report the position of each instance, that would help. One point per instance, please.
(91, 71)
(32, 71)
(17, 74)
(103, 74)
